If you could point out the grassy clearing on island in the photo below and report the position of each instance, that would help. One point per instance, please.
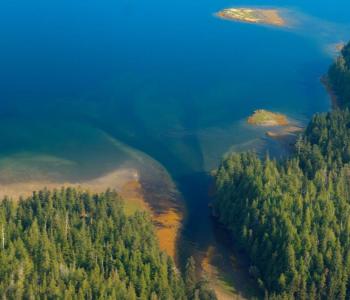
(263, 117)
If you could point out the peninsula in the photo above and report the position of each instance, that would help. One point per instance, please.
(253, 15)
(267, 118)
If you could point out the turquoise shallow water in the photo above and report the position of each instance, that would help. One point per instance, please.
(167, 78)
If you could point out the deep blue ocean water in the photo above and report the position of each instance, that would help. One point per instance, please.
(168, 78)
(165, 77)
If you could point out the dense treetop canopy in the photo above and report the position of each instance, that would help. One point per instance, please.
(67, 243)
(73, 245)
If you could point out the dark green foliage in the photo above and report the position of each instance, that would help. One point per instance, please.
(70, 244)
(293, 217)
(203, 291)
(196, 289)
(326, 142)
(190, 277)
(339, 77)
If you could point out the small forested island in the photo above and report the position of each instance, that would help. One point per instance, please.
(253, 15)
(292, 216)
(262, 117)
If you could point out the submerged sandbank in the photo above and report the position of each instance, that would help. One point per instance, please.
(286, 131)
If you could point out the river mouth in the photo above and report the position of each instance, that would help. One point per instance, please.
(179, 205)
(85, 141)
(174, 85)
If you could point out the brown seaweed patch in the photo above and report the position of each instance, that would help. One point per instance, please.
(167, 228)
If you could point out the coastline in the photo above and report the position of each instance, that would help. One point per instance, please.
(141, 181)
(334, 98)
(287, 136)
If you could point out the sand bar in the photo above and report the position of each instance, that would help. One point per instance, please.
(253, 15)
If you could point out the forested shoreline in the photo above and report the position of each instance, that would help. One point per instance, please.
(69, 244)
(293, 216)
(339, 77)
